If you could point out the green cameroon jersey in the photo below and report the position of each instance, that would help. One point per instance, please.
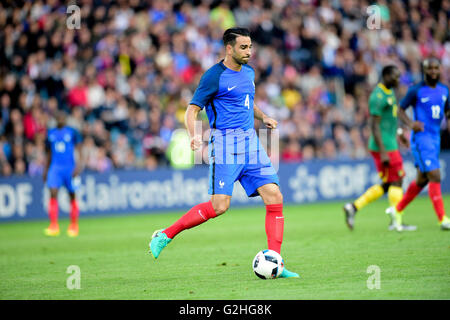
(382, 103)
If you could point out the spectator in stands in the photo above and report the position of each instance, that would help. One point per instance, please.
(127, 74)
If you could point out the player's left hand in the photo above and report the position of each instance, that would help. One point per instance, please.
(76, 172)
(270, 123)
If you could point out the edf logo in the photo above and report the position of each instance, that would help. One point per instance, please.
(15, 199)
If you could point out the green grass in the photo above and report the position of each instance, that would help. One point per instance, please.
(213, 261)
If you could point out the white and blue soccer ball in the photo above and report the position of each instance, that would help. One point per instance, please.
(268, 264)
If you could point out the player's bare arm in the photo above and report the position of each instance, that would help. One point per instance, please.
(189, 120)
(376, 131)
(79, 162)
(269, 122)
(47, 163)
(416, 126)
(402, 137)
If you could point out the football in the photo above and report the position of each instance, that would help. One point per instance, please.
(268, 264)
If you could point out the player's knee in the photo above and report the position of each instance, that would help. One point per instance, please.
(397, 183)
(422, 183)
(386, 186)
(274, 197)
(421, 179)
(434, 177)
(53, 193)
(220, 207)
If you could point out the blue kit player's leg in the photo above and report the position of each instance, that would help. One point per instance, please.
(426, 155)
(221, 181)
(54, 178)
(257, 172)
(68, 181)
(222, 178)
(260, 178)
(54, 182)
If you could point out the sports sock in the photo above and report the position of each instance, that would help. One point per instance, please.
(74, 212)
(195, 216)
(371, 194)
(395, 195)
(53, 212)
(434, 191)
(274, 226)
(412, 191)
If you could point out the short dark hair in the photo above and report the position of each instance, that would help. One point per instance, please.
(387, 70)
(429, 60)
(230, 35)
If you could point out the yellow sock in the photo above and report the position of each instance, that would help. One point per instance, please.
(395, 194)
(371, 194)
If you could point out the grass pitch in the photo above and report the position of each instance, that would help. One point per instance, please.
(213, 261)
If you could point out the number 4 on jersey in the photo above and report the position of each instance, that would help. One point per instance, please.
(247, 101)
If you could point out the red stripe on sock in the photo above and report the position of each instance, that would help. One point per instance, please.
(195, 216)
(412, 191)
(434, 191)
(274, 226)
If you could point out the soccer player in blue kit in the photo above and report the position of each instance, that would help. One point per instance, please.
(60, 171)
(227, 91)
(429, 100)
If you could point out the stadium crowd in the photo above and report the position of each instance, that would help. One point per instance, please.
(126, 75)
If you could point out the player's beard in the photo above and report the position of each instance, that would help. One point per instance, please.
(432, 81)
(240, 61)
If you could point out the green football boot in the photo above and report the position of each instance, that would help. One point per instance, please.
(159, 242)
(288, 274)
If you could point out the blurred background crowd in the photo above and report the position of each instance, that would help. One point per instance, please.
(126, 75)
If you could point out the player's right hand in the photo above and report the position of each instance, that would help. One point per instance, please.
(417, 126)
(196, 142)
(404, 140)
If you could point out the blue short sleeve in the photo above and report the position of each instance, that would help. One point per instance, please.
(208, 86)
(410, 98)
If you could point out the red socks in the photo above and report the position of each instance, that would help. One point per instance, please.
(274, 226)
(434, 191)
(412, 191)
(53, 212)
(197, 215)
(205, 211)
(74, 212)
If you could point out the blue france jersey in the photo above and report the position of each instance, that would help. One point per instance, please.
(429, 106)
(227, 96)
(62, 144)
